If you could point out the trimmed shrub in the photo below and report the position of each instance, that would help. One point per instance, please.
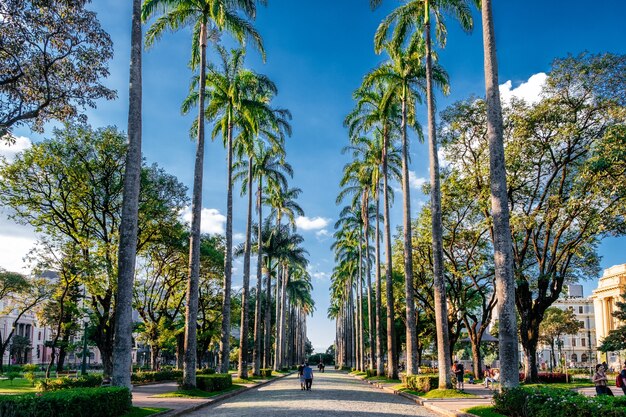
(214, 382)
(205, 371)
(547, 377)
(556, 402)
(93, 402)
(266, 372)
(87, 381)
(420, 383)
(155, 376)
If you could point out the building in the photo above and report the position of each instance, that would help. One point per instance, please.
(610, 288)
(577, 350)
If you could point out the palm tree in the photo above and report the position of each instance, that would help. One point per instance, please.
(207, 17)
(416, 14)
(122, 348)
(502, 245)
(374, 112)
(405, 80)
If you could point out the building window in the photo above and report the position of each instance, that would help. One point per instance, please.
(574, 357)
(573, 341)
(39, 336)
(583, 342)
(580, 309)
(583, 357)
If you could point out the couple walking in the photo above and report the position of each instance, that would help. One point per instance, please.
(306, 376)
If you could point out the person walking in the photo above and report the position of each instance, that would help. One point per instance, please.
(307, 373)
(301, 376)
(622, 375)
(459, 372)
(600, 380)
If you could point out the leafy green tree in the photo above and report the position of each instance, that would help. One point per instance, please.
(209, 18)
(556, 323)
(69, 188)
(54, 55)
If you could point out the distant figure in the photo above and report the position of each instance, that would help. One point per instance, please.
(600, 381)
(459, 372)
(470, 379)
(493, 378)
(605, 366)
(321, 366)
(622, 375)
(301, 376)
(307, 373)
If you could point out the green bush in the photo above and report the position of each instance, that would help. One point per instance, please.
(30, 377)
(214, 382)
(370, 373)
(92, 402)
(86, 381)
(284, 369)
(205, 371)
(155, 376)
(556, 402)
(30, 368)
(266, 372)
(12, 375)
(420, 383)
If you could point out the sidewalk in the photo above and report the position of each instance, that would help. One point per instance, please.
(144, 396)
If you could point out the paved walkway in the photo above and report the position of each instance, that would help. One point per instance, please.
(334, 394)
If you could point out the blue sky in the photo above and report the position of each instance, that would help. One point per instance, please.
(317, 53)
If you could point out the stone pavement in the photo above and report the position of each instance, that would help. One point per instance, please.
(334, 394)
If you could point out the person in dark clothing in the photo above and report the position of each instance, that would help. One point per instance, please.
(300, 376)
(622, 375)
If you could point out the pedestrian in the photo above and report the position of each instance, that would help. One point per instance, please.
(301, 375)
(600, 380)
(307, 373)
(459, 372)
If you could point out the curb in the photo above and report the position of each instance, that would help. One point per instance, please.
(215, 400)
(418, 400)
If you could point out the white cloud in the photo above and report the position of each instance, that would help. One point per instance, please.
(12, 251)
(415, 181)
(314, 223)
(529, 91)
(239, 237)
(321, 276)
(9, 151)
(321, 233)
(211, 220)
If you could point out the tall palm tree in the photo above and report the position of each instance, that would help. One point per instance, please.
(208, 18)
(411, 20)
(374, 112)
(502, 245)
(405, 79)
(122, 348)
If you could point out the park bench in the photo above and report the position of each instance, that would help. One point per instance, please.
(67, 374)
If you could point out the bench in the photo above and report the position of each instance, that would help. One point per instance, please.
(67, 374)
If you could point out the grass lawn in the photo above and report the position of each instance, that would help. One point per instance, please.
(357, 373)
(251, 380)
(17, 386)
(143, 411)
(484, 411)
(381, 379)
(436, 393)
(196, 393)
(571, 385)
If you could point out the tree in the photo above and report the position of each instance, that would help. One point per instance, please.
(70, 188)
(556, 323)
(208, 18)
(417, 14)
(54, 55)
(123, 342)
(503, 255)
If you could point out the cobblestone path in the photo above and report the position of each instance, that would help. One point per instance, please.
(334, 394)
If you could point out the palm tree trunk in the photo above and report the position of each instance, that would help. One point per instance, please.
(228, 259)
(502, 244)
(267, 358)
(123, 341)
(257, 351)
(392, 362)
(282, 333)
(379, 308)
(411, 337)
(359, 311)
(370, 317)
(277, 307)
(191, 311)
(245, 291)
(439, 288)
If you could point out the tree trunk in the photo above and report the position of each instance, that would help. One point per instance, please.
(530, 363)
(180, 350)
(123, 341)
(256, 352)
(191, 311)
(267, 358)
(380, 370)
(503, 247)
(411, 337)
(476, 358)
(277, 307)
(154, 357)
(439, 286)
(359, 306)
(228, 259)
(392, 363)
(283, 312)
(370, 315)
(245, 291)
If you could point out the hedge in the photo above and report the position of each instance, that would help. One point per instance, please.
(420, 383)
(155, 376)
(78, 402)
(86, 381)
(556, 402)
(547, 377)
(214, 382)
(205, 371)
(266, 372)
